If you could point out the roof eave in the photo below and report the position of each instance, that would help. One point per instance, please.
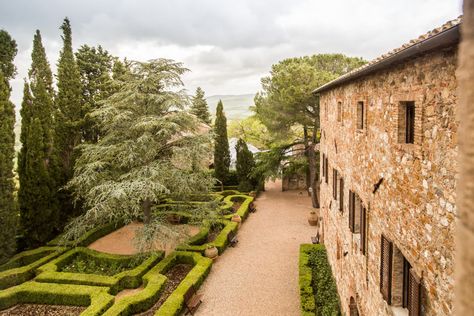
(447, 38)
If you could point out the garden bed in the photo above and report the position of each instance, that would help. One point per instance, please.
(174, 277)
(43, 310)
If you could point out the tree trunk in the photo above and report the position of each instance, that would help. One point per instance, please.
(309, 150)
(146, 205)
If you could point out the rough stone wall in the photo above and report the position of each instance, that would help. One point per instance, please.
(415, 204)
(465, 230)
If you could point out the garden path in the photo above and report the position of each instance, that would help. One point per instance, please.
(260, 275)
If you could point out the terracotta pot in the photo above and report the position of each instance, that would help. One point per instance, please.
(313, 219)
(253, 194)
(236, 218)
(211, 252)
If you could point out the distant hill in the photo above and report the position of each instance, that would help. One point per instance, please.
(236, 107)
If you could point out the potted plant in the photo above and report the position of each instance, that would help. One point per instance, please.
(313, 218)
(211, 251)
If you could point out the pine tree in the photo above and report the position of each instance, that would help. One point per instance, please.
(244, 165)
(8, 211)
(95, 67)
(199, 107)
(68, 133)
(221, 145)
(37, 194)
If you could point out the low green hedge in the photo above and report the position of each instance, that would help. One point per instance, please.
(318, 291)
(22, 266)
(32, 292)
(221, 242)
(88, 238)
(154, 281)
(51, 272)
(243, 210)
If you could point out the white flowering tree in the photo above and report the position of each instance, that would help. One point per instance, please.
(150, 148)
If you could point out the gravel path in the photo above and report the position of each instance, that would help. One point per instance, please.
(260, 275)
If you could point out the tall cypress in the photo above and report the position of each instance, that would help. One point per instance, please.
(199, 107)
(37, 194)
(68, 120)
(244, 166)
(8, 212)
(221, 145)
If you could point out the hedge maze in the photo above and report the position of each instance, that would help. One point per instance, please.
(70, 274)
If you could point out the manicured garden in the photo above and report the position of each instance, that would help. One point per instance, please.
(68, 278)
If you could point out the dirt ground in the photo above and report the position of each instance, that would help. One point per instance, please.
(121, 240)
(260, 275)
(42, 310)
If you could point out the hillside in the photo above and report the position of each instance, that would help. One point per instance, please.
(235, 106)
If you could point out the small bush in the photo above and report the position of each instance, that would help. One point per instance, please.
(318, 291)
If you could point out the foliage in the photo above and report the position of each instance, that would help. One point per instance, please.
(244, 166)
(252, 131)
(95, 67)
(85, 264)
(199, 107)
(68, 121)
(221, 145)
(37, 194)
(8, 51)
(8, 211)
(318, 289)
(147, 151)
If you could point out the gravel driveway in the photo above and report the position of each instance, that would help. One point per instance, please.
(260, 275)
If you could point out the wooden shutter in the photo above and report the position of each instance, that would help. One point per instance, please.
(334, 184)
(360, 115)
(414, 294)
(386, 252)
(341, 195)
(351, 210)
(363, 230)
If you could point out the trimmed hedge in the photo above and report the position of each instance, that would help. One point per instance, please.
(22, 266)
(88, 238)
(50, 272)
(32, 292)
(318, 291)
(221, 242)
(243, 210)
(154, 282)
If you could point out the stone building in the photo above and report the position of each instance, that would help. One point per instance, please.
(389, 168)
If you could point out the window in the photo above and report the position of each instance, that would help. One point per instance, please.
(353, 311)
(399, 284)
(363, 230)
(339, 111)
(406, 122)
(341, 194)
(360, 115)
(326, 173)
(355, 207)
(334, 183)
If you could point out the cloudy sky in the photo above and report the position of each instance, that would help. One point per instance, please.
(228, 45)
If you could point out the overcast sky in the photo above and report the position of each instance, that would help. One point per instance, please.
(228, 45)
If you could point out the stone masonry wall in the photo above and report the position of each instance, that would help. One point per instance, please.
(415, 204)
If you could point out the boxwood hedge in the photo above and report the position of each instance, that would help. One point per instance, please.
(51, 272)
(318, 291)
(89, 237)
(154, 281)
(243, 210)
(22, 266)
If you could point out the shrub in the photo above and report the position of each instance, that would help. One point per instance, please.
(32, 292)
(88, 238)
(22, 266)
(318, 291)
(154, 282)
(243, 210)
(51, 272)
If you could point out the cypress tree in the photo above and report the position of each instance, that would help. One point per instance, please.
(37, 194)
(199, 107)
(244, 166)
(8, 212)
(69, 121)
(221, 145)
